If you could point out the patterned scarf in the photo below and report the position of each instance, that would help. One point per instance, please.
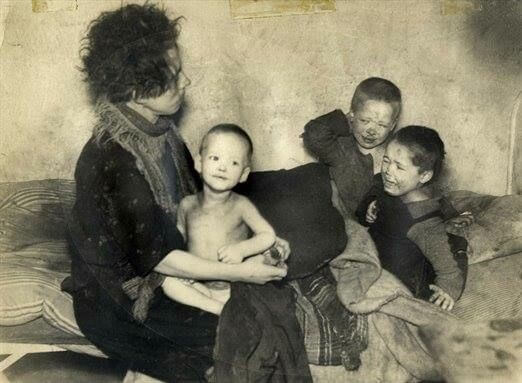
(148, 144)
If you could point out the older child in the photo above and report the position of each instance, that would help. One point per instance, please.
(406, 222)
(216, 222)
(352, 145)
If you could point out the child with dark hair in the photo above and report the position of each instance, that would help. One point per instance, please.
(352, 144)
(406, 221)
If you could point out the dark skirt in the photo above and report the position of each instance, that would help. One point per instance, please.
(174, 344)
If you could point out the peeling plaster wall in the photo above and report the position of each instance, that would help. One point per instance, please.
(271, 75)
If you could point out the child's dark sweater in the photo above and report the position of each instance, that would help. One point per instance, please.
(330, 140)
(413, 244)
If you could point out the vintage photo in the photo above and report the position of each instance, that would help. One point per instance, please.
(239, 191)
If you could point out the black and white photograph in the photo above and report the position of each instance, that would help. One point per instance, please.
(261, 191)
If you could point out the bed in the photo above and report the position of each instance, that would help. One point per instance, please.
(36, 316)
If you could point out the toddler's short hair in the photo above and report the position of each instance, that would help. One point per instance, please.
(377, 89)
(426, 145)
(232, 129)
(124, 51)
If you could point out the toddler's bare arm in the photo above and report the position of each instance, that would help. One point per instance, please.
(263, 235)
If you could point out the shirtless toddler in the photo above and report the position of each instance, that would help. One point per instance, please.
(217, 223)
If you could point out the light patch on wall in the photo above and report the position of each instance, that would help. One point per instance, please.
(245, 9)
(40, 6)
(514, 185)
(454, 7)
(4, 12)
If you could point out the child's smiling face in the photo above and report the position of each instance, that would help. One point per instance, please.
(224, 161)
(400, 176)
(372, 122)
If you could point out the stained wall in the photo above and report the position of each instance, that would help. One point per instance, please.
(457, 63)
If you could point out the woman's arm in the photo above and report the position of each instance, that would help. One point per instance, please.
(182, 264)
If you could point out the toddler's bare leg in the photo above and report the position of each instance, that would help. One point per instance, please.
(220, 295)
(190, 295)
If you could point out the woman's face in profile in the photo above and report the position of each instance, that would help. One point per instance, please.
(170, 101)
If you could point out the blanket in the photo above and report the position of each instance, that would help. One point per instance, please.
(364, 287)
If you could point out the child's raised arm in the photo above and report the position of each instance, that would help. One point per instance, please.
(321, 136)
(263, 235)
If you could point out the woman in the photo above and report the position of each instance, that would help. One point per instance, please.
(130, 178)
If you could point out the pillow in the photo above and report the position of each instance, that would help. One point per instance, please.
(33, 253)
(297, 202)
(33, 212)
(497, 228)
(27, 293)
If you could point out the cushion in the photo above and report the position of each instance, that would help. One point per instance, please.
(297, 202)
(29, 293)
(497, 227)
(33, 253)
(493, 290)
(33, 212)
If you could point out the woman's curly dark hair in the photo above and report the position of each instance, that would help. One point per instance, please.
(124, 51)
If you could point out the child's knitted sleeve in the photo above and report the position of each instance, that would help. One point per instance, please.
(450, 270)
(321, 135)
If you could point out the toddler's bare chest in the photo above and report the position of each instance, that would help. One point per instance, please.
(214, 230)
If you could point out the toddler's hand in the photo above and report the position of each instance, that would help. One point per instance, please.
(283, 248)
(441, 298)
(371, 213)
(463, 220)
(229, 254)
(254, 270)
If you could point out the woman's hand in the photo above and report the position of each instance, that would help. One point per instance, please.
(441, 298)
(254, 270)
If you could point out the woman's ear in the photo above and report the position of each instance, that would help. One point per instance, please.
(426, 175)
(197, 163)
(244, 175)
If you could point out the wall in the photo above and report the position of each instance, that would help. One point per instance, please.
(272, 75)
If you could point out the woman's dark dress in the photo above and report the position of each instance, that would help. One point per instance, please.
(118, 231)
